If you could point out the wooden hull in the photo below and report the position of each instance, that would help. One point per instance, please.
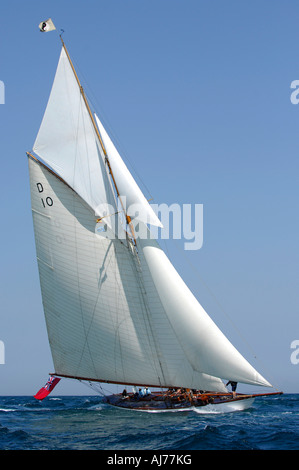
(200, 403)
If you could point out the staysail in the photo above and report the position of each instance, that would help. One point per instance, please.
(137, 205)
(113, 314)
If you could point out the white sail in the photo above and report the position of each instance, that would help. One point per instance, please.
(205, 347)
(99, 326)
(112, 315)
(68, 143)
(136, 204)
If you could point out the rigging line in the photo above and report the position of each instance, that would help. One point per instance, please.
(86, 328)
(108, 215)
(86, 331)
(98, 389)
(175, 333)
(109, 186)
(124, 152)
(120, 320)
(146, 317)
(128, 161)
(215, 298)
(81, 107)
(75, 124)
(106, 261)
(128, 218)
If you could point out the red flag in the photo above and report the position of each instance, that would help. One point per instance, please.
(44, 391)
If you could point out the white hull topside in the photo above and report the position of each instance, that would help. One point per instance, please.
(228, 407)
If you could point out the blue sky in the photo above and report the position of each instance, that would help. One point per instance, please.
(196, 95)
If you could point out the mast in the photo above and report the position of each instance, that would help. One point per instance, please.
(128, 218)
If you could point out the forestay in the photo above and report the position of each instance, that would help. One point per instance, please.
(137, 207)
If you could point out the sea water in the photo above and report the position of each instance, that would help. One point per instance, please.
(86, 423)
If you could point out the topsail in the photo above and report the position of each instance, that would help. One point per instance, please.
(67, 141)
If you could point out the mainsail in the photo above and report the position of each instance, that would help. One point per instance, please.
(115, 312)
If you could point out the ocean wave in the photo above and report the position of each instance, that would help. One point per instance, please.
(211, 437)
(86, 423)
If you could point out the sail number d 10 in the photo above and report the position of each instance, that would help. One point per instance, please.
(48, 201)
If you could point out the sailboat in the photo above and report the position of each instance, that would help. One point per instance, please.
(116, 309)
